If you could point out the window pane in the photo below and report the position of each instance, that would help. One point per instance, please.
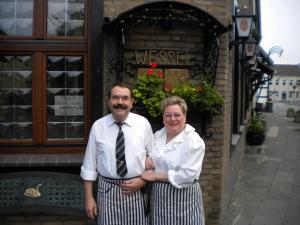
(15, 97)
(16, 17)
(65, 97)
(23, 27)
(66, 18)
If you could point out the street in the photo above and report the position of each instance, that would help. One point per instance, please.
(268, 189)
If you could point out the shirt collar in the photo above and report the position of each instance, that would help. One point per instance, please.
(180, 137)
(129, 120)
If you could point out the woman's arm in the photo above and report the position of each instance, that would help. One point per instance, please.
(151, 175)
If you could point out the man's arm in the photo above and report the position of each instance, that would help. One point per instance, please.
(90, 203)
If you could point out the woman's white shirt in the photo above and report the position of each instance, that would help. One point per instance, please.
(181, 158)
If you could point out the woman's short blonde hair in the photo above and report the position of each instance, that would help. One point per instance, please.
(173, 100)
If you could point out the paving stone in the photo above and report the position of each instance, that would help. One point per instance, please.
(267, 220)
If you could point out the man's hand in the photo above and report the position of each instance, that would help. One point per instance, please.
(90, 203)
(91, 208)
(132, 185)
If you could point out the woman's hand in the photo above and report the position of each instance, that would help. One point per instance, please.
(149, 164)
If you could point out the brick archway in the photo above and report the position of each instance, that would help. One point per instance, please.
(174, 35)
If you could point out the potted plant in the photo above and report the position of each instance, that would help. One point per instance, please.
(290, 112)
(256, 129)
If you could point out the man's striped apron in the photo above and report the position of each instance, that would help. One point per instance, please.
(117, 208)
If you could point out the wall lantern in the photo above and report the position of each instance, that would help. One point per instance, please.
(243, 25)
(250, 47)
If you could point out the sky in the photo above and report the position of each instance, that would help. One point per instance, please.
(280, 21)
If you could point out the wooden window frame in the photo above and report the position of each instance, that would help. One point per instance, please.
(40, 26)
(39, 101)
(39, 46)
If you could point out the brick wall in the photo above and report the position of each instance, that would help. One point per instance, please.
(220, 9)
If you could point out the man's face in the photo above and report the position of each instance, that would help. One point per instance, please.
(120, 103)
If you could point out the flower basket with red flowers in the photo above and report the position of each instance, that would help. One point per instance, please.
(149, 91)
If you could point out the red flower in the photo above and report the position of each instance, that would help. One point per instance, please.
(160, 74)
(153, 65)
(150, 71)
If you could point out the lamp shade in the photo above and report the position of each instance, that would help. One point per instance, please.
(243, 24)
(250, 47)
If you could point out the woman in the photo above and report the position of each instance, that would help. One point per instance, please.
(174, 168)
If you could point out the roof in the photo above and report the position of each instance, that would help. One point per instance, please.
(287, 70)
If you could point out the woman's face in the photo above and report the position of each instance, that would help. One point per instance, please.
(174, 119)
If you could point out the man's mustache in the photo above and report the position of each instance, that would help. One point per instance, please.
(119, 106)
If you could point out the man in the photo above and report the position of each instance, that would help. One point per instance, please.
(121, 197)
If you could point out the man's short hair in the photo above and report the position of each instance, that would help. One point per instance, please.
(120, 84)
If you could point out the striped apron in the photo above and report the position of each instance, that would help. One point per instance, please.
(176, 206)
(116, 208)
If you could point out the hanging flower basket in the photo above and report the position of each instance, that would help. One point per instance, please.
(149, 91)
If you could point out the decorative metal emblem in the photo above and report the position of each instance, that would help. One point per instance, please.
(33, 192)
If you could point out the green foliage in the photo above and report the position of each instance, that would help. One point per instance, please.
(257, 124)
(200, 97)
(148, 93)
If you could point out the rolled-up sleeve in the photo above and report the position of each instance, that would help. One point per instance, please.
(191, 163)
(89, 166)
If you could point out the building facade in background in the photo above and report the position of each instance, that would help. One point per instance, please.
(285, 85)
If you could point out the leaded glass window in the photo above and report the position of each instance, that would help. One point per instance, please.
(65, 18)
(65, 94)
(16, 17)
(15, 97)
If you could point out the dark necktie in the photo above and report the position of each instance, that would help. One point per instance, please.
(120, 152)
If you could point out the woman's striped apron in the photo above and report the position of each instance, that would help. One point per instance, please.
(176, 206)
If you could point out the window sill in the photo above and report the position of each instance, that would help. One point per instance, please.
(40, 160)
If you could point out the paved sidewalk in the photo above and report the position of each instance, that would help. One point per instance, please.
(268, 190)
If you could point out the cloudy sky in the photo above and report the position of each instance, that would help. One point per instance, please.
(281, 27)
